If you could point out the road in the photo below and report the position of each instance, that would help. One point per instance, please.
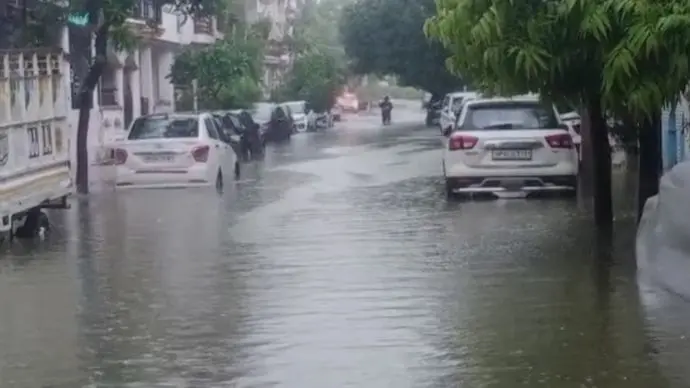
(336, 262)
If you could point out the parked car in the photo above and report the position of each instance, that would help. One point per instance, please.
(516, 145)
(175, 150)
(280, 125)
(298, 110)
(433, 112)
(572, 120)
(450, 107)
(348, 102)
(336, 113)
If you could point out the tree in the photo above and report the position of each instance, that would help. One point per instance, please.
(227, 72)
(316, 28)
(386, 37)
(622, 57)
(316, 77)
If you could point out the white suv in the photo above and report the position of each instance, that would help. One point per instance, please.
(509, 145)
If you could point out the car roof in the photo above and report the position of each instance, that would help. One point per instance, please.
(463, 94)
(506, 100)
(177, 115)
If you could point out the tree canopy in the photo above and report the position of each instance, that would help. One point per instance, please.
(228, 72)
(316, 77)
(386, 37)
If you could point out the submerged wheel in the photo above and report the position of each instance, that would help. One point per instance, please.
(219, 181)
(35, 224)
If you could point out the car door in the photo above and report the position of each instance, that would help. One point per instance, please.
(225, 155)
(445, 119)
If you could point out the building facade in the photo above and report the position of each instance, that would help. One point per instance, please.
(280, 15)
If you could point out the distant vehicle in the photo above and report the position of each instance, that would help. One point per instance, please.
(348, 102)
(298, 109)
(433, 113)
(175, 150)
(509, 145)
(336, 113)
(450, 107)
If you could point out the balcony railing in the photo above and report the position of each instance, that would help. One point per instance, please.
(148, 10)
(203, 25)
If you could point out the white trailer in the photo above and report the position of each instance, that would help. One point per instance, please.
(34, 139)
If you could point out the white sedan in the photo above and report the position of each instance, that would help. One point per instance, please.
(174, 150)
(514, 145)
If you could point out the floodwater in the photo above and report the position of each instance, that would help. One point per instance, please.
(337, 262)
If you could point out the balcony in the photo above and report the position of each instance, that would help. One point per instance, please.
(148, 11)
(203, 25)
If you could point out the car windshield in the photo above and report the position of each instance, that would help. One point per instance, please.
(510, 115)
(297, 107)
(262, 112)
(154, 127)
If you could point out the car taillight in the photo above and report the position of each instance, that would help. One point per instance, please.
(200, 153)
(561, 140)
(119, 156)
(462, 142)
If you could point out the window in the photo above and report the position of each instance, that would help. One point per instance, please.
(159, 127)
(211, 128)
(457, 104)
(510, 115)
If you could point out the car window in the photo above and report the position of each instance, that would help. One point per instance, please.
(211, 128)
(159, 127)
(235, 121)
(298, 107)
(445, 102)
(457, 104)
(509, 115)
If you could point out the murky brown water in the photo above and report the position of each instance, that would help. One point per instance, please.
(344, 268)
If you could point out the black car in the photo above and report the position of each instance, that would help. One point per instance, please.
(280, 125)
(433, 112)
(240, 125)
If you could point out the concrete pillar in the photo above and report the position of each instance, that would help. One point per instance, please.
(145, 64)
(165, 101)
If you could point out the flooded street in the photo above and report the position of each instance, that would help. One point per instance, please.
(336, 262)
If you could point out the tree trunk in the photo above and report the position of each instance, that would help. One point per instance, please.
(85, 103)
(650, 164)
(601, 165)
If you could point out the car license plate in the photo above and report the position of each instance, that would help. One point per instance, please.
(159, 158)
(511, 155)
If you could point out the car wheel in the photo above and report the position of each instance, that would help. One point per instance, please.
(219, 181)
(450, 194)
(238, 170)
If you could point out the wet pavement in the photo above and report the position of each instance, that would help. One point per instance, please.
(336, 262)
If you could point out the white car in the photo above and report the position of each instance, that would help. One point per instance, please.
(515, 145)
(174, 150)
(450, 106)
(298, 109)
(662, 246)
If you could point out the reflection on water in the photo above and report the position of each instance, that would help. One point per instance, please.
(373, 285)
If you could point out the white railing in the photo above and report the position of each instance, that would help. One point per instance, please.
(33, 109)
